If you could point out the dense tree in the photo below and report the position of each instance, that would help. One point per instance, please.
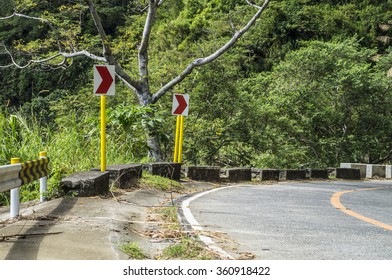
(307, 85)
(67, 40)
(327, 103)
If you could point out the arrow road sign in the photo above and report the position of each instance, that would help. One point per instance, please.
(104, 76)
(180, 105)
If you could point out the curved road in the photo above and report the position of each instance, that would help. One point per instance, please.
(306, 221)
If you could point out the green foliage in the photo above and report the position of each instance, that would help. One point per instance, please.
(329, 103)
(20, 139)
(135, 120)
(72, 144)
(130, 117)
(305, 87)
(286, 23)
(160, 183)
(133, 250)
(187, 249)
(170, 217)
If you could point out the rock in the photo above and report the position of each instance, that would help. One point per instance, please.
(124, 176)
(89, 183)
(169, 170)
(204, 173)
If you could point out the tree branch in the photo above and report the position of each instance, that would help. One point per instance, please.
(253, 5)
(383, 159)
(17, 236)
(98, 24)
(159, 2)
(47, 59)
(15, 14)
(107, 50)
(25, 16)
(232, 25)
(143, 48)
(202, 61)
(147, 28)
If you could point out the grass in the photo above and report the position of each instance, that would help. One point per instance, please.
(72, 146)
(169, 216)
(160, 183)
(133, 251)
(187, 248)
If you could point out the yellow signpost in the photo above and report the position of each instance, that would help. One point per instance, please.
(104, 84)
(103, 133)
(180, 109)
(179, 139)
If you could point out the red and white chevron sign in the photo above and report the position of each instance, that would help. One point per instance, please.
(104, 76)
(180, 105)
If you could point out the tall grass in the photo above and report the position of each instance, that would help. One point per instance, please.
(72, 145)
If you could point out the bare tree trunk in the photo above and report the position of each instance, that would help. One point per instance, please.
(154, 146)
(153, 143)
(140, 86)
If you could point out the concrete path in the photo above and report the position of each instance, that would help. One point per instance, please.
(87, 228)
(79, 228)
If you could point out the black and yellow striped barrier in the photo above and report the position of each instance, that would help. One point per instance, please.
(33, 170)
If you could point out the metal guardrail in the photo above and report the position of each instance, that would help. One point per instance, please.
(34, 170)
(16, 174)
(9, 177)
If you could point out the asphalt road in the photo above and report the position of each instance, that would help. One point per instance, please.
(304, 221)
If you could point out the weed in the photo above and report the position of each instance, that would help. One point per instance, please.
(187, 249)
(169, 216)
(72, 146)
(133, 251)
(160, 183)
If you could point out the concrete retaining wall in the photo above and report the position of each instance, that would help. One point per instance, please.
(348, 173)
(127, 175)
(318, 174)
(239, 174)
(361, 166)
(293, 174)
(169, 170)
(373, 170)
(123, 176)
(388, 171)
(270, 175)
(203, 173)
(90, 183)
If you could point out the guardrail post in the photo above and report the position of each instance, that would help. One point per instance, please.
(14, 206)
(43, 182)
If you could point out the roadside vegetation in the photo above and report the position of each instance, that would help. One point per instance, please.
(73, 147)
(306, 87)
(133, 250)
(160, 183)
(184, 245)
(187, 248)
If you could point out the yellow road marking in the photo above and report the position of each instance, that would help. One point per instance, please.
(335, 201)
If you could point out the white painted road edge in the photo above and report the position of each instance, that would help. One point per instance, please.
(196, 226)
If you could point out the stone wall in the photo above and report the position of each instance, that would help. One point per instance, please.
(126, 176)
(348, 173)
(370, 170)
(90, 183)
(169, 170)
(203, 173)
